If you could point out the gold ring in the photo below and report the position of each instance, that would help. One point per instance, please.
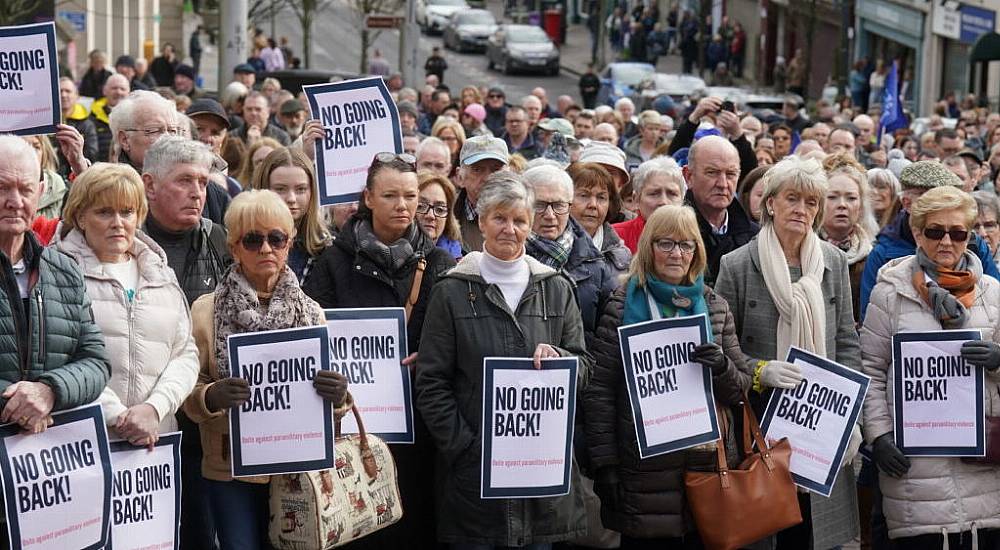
(24, 419)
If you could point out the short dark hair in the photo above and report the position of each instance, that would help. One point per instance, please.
(945, 133)
(436, 94)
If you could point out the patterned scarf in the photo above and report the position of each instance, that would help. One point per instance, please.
(553, 253)
(238, 309)
(950, 292)
(390, 257)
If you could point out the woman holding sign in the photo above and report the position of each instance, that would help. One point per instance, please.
(500, 302)
(259, 293)
(787, 277)
(643, 499)
(926, 499)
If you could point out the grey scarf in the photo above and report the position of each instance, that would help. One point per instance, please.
(952, 313)
(389, 257)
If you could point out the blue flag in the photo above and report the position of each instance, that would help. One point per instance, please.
(893, 117)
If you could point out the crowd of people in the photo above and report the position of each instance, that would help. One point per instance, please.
(158, 222)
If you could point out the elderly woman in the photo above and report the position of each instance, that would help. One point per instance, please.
(500, 302)
(137, 303)
(259, 293)
(50, 204)
(289, 173)
(929, 502)
(435, 215)
(450, 131)
(595, 201)
(787, 287)
(382, 258)
(987, 226)
(885, 195)
(848, 222)
(644, 499)
(655, 183)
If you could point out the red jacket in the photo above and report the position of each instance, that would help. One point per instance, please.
(44, 228)
(629, 232)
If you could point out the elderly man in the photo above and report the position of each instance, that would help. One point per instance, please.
(292, 115)
(143, 74)
(125, 66)
(821, 133)
(76, 115)
(518, 135)
(896, 240)
(841, 140)
(212, 124)
(434, 156)
(256, 111)
(480, 157)
(533, 109)
(606, 133)
(52, 354)
(185, 82)
(866, 131)
(116, 89)
(947, 142)
(547, 110)
(712, 172)
(245, 74)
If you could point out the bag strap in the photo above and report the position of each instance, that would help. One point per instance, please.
(418, 278)
(751, 427)
(367, 457)
(720, 447)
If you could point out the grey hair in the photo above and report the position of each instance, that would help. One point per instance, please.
(169, 151)
(186, 126)
(804, 175)
(659, 165)
(549, 175)
(505, 189)
(883, 177)
(529, 98)
(123, 115)
(13, 149)
(987, 200)
(624, 101)
(233, 92)
(432, 141)
(407, 94)
(542, 161)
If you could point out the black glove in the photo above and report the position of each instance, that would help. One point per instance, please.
(710, 355)
(226, 394)
(606, 486)
(982, 353)
(888, 457)
(331, 386)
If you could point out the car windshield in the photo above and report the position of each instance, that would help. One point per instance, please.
(630, 75)
(526, 34)
(445, 2)
(476, 18)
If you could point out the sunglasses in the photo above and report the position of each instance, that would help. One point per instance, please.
(253, 241)
(936, 234)
(400, 161)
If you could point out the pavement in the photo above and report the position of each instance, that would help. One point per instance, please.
(575, 53)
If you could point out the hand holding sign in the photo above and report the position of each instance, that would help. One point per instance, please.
(711, 356)
(312, 133)
(543, 351)
(140, 425)
(780, 374)
(331, 386)
(227, 393)
(888, 457)
(28, 404)
(71, 146)
(982, 353)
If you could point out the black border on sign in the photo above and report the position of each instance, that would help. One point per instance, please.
(49, 30)
(173, 439)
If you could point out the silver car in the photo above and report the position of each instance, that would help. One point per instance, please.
(432, 15)
(469, 30)
(522, 47)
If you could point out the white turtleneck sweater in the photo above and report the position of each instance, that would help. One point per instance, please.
(510, 276)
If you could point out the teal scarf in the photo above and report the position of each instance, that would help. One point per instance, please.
(673, 300)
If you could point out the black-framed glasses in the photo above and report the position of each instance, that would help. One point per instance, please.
(936, 234)
(154, 132)
(986, 226)
(253, 241)
(669, 245)
(400, 161)
(558, 207)
(439, 210)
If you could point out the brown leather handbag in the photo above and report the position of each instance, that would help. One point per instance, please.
(992, 443)
(734, 508)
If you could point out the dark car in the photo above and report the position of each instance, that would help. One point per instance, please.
(522, 47)
(469, 30)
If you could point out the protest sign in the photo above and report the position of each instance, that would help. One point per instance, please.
(360, 120)
(817, 417)
(285, 426)
(29, 80)
(366, 346)
(671, 396)
(146, 493)
(528, 427)
(57, 484)
(938, 409)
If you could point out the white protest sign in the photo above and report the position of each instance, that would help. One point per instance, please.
(528, 427)
(671, 396)
(146, 492)
(360, 120)
(29, 80)
(57, 484)
(817, 417)
(285, 426)
(938, 396)
(366, 346)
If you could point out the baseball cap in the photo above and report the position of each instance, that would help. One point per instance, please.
(927, 174)
(970, 153)
(480, 148)
(208, 107)
(185, 70)
(560, 125)
(126, 60)
(291, 106)
(244, 68)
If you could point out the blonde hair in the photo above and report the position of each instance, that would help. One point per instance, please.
(445, 123)
(427, 179)
(670, 220)
(46, 154)
(844, 164)
(104, 184)
(939, 199)
(315, 237)
(252, 208)
(804, 176)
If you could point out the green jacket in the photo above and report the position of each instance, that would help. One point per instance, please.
(467, 320)
(61, 345)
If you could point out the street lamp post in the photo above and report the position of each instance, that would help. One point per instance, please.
(233, 42)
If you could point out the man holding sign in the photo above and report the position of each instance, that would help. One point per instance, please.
(930, 346)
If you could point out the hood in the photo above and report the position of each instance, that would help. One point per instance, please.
(899, 273)
(530, 47)
(79, 113)
(151, 258)
(468, 268)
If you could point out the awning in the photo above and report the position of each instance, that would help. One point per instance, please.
(986, 48)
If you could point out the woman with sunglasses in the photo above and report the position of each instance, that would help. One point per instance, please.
(930, 501)
(258, 293)
(382, 258)
(644, 499)
(787, 287)
(435, 215)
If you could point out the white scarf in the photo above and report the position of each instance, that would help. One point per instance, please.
(801, 313)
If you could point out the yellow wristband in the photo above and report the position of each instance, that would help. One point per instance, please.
(756, 376)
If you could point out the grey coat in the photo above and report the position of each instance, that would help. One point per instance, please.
(741, 283)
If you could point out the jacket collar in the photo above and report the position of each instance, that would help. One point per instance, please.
(151, 258)
(468, 269)
(79, 112)
(739, 220)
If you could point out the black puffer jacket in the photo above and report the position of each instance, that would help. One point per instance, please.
(649, 500)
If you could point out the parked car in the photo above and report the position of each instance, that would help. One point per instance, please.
(678, 87)
(294, 79)
(432, 15)
(620, 80)
(469, 30)
(522, 47)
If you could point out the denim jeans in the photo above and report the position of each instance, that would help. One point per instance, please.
(241, 514)
(470, 546)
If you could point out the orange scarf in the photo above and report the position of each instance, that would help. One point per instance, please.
(961, 285)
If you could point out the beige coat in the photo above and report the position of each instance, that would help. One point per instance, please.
(150, 347)
(936, 493)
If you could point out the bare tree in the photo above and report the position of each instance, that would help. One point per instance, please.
(13, 12)
(260, 10)
(305, 11)
(364, 8)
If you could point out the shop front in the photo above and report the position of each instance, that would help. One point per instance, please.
(889, 31)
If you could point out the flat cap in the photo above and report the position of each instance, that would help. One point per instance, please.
(927, 174)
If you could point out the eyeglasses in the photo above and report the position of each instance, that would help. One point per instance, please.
(558, 207)
(936, 234)
(669, 245)
(399, 161)
(986, 226)
(253, 241)
(495, 96)
(154, 132)
(439, 210)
